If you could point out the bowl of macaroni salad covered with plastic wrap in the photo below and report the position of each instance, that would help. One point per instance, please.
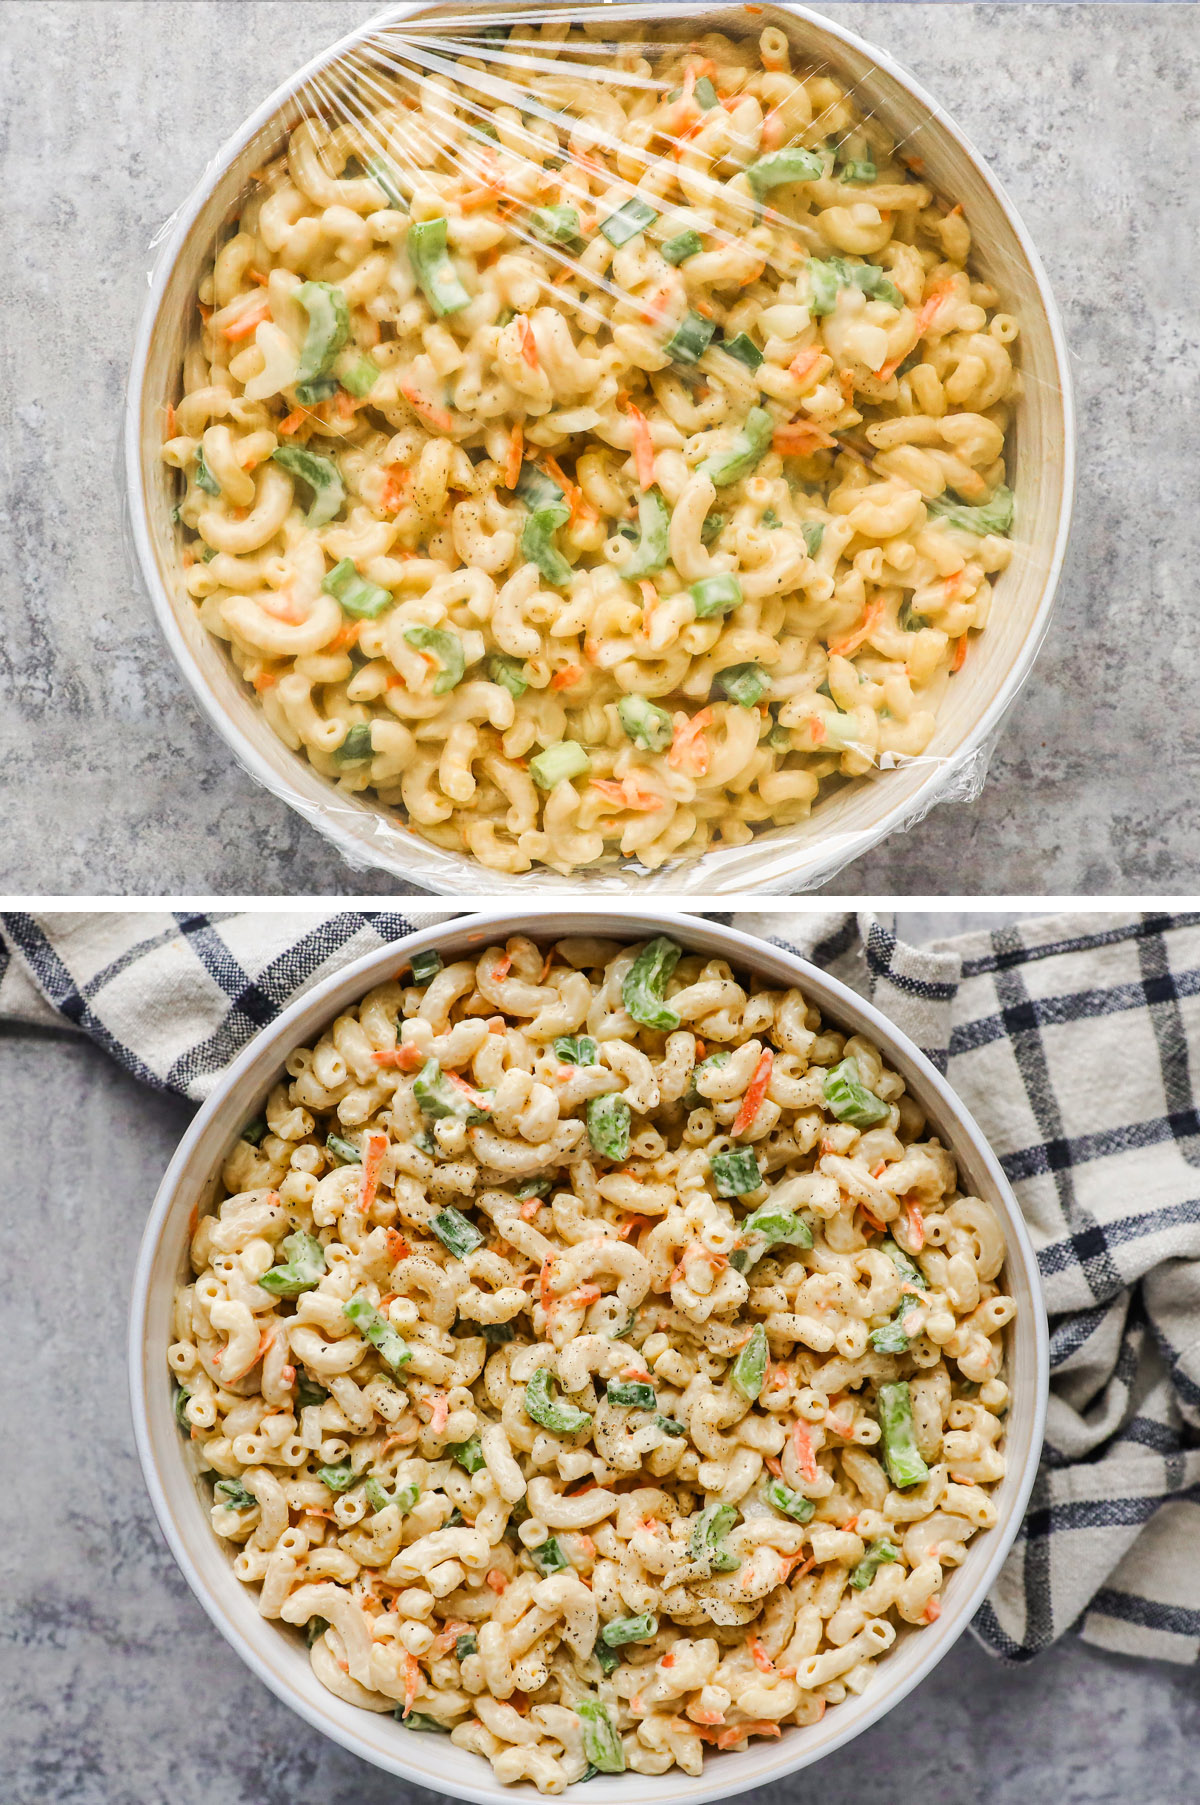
(603, 443)
(593, 1354)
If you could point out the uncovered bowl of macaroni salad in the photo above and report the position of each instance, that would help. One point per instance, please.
(627, 444)
(578, 1353)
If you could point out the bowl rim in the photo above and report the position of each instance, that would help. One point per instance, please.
(812, 863)
(317, 1005)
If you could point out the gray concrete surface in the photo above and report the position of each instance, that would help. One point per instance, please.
(109, 778)
(116, 1690)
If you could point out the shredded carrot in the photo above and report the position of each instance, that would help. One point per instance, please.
(438, 417)
(474, 198)
(930, 307)
(802, 1446)
(397, 1246)
(773, 1465)
(933, 1610)
(568, 677)
(169, 422)
(249, 320)
(755, 1092)
(799, 438)
(502, 967)
(400, 1059)
(576, 500)
(759, 1655)
(643, 446)
(512, 466)
(529, 350)
(547, 967)
(530, 1208)
(346, 635)
(588, 1546)
(725, 1739)
(633, 1225)
(264, 681)
(441, 1412)
(468, 1091)
(393, 490)
(960, 656)
(412, 1679)
(805, 362)
(496, 1580)
(915, 1223)
(293, 422)
(861, 634)
(626, 794)
(689, 745)
(879, 1170)
(373, 1151)
(876, 1225)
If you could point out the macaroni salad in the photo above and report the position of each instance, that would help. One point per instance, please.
(594, 1357)
(594, 442)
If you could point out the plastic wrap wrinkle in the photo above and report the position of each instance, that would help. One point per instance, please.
(480, 483)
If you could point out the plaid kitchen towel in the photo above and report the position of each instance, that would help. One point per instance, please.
(1072, 1039)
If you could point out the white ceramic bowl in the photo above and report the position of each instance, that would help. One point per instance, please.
(277, 1655)
(784, 859)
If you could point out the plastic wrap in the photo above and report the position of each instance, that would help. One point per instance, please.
(589, 483)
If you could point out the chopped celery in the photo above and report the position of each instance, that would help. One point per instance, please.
(749, 1371)
(652, 550)
(537, 542)
(630, 218)
(433, 269)
(337, 1478)
(536, 489)
(360, 599)
(359, 378)
(438, 1096)
(555, 225)
(878, 1554)
(391, 1347)
(231, 1494)
(344, 1152)
(357, 747)
(901, 1455)
(425, 966)
(601, 1742)
(646, 724)
(634, 1396)
(646, 980)
(744, 349)
(692, 338)
(792, 1504)
(609, 1122)
(684, 245)
(548, 1557)
(552, 1413)
(508, 673)
(642, 1628)
(736, 1172)
(456, 1232)
(383, 174)
(814, 532)
(747, 451)
(328, 328)
(994, 516)
(559, 764)
(322, 477)
(744, 684)
(447, 648)
(468, 1454)
(576, 1049)
(302, 1271)
(707, 1540)
(716, 595)
(204, 476)
(791, 164)
(848, 1098)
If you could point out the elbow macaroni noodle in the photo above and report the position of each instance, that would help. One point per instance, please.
(659, 428)
(545, 1438)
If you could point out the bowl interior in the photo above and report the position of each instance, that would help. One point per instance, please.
(845, 824)
(278, 1655)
